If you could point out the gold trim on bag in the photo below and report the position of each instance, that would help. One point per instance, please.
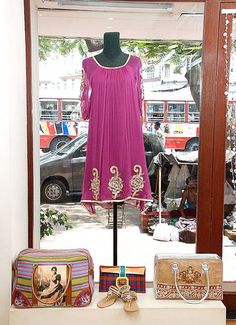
(137, 181)
(95, 184)
(190, 276)
(115, 184)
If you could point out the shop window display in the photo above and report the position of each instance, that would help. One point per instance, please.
(137, 183)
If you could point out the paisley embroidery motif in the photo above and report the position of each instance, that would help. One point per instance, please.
(82, 85)
(95, 184)
(137, 181)
(190, 276)
(115, 184)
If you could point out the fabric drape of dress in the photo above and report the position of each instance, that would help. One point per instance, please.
(115, 169)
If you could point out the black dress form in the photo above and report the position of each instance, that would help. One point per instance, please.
(112, 56)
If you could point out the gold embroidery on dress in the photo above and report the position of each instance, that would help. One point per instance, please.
(95, 184)
(82, 85)
(142, 87)
(115, 184)
(137, 181)
(190, 276)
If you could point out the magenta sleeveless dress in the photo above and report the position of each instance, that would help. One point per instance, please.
(115, 168)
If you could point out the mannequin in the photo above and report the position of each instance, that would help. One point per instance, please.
(112, 56)
(111, 99)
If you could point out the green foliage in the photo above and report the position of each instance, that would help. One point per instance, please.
(179, 52)
(152, 51)
(61, 46)
(159, 49)
(49, 218)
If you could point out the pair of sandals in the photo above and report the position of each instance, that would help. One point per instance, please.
(128, 296)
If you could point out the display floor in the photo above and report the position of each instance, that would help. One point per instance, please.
(135, 247)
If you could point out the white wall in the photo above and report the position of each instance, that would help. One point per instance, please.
(13, 153)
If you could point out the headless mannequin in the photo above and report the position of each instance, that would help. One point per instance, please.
(112, 56)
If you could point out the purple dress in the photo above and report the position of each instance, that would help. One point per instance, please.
(115, 168)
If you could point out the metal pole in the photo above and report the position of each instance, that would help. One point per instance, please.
(114, 233)
(159, 192)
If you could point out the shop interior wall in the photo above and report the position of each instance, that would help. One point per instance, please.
(13, 135)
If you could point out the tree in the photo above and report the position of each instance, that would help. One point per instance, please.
(180, 53)
(61, 46)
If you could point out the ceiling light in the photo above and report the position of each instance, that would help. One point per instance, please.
(129, 4)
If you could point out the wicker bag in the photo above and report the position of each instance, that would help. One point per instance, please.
(193, 278)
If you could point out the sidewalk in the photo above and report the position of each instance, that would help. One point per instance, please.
(92, 232)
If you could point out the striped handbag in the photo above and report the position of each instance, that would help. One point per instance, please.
(49, 278)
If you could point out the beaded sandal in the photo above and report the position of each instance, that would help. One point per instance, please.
(129, 298)
(112, 295)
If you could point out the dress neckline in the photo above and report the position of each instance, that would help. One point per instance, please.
(102, 66)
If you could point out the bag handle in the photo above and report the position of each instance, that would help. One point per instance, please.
(61, 296)
(205, 269)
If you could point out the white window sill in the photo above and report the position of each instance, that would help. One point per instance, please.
(151, 312)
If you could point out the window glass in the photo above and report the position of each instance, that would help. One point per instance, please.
(171, 75)
(193, 113)
(155, 112)
(229, 223)
(167, 71)
(151, 72)
(176, 112)
(69, 110)
(48, 110)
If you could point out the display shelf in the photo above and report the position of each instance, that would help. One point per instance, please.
(163, 312)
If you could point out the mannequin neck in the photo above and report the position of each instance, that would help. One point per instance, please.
(111, 47)
(112, 56)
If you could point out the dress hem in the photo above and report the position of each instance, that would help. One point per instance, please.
(110, 201)
(90, 204)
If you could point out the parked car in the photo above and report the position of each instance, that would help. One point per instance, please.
(61, 172)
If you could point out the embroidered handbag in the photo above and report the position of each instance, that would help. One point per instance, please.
(119, 275)
(193, 278)
(48, 278)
